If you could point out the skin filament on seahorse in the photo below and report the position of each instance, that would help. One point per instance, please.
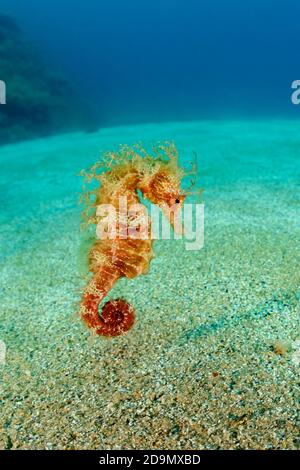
(128, 254)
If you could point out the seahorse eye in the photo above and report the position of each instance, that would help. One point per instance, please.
(177, 201)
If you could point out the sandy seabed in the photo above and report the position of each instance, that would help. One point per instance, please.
(213, 359)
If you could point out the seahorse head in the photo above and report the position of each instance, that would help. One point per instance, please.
(164, 189)
(156, 174)
(162, 185)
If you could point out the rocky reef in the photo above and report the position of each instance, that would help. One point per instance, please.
(38, 100)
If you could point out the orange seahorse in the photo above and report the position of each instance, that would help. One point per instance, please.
(128, 253)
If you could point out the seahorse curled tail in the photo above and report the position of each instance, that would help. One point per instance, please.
(116, 317)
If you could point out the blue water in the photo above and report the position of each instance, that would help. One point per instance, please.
(156, 60)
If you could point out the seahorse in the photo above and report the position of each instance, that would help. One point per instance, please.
(131, 173)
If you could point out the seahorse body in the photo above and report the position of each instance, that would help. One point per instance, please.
(129, 256)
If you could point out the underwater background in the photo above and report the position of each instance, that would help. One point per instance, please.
(149, 61)
(213, 360)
